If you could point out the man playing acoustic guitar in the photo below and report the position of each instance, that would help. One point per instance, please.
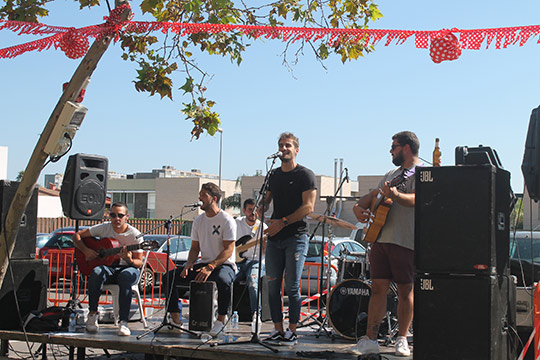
(392, 255)
(125, 273)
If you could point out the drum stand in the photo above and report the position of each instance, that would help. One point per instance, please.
(324, 323)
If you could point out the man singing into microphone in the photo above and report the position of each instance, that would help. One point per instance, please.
(213, 235)
(293, 189)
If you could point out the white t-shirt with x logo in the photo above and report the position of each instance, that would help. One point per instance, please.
(210, 232)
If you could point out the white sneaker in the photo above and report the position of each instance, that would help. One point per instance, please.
(364, 346)
(92, 323)
(217, 328)
(123, 329)
(402, 346)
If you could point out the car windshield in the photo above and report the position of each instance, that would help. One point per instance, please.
(60, 241)
(179, 244)
(525, 249)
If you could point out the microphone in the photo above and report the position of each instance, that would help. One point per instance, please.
(276, 155)
(197, 204)
(347, 174)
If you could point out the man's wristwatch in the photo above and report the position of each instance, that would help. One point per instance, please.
(285, 221)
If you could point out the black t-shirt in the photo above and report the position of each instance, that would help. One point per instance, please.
(286, 189)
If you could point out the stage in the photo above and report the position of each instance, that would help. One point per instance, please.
(183, 345)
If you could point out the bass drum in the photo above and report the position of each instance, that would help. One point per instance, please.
(348, 309)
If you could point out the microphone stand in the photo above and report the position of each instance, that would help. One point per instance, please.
(165, 321)
(255, 336)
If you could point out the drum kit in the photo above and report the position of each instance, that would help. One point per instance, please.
(347, 301)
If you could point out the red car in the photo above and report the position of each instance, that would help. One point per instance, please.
(59, 251)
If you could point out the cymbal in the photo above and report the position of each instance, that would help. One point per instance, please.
(332, 221)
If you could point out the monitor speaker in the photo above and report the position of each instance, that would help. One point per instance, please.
(84, 189)
(241, 301)
(23, 290)
(462, 219)
(464, 317)
(25, 243)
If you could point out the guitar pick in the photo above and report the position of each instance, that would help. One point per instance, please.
(444, 46)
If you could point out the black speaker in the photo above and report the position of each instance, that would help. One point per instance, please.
(25, 243)
(84, 188)
(530, 166)
(241, 302)
(463, 317)
(462, 219)
(202, 305)
(30, 284)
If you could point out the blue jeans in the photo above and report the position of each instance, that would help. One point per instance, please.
(124, 276)
(285, 256)
(249, 270)
(222, 275)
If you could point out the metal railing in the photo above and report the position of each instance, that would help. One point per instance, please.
(60, 285)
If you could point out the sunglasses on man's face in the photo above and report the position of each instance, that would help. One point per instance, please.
(114, 215)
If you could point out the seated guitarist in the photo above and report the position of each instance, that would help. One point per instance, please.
(392, 255)
(248, 231)
(125, 273)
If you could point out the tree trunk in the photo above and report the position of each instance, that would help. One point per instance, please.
(38, 158)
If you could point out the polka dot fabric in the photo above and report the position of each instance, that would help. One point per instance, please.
(444, 46)
(74, 45)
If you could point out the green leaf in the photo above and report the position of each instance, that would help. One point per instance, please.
(188, 86)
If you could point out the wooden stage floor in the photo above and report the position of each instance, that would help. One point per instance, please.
(183, 345)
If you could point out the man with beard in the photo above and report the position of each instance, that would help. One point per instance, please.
(392, 255)
(213, 235)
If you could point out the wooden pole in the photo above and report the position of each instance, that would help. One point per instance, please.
(38, 158)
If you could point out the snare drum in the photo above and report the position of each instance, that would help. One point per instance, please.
(348, 309)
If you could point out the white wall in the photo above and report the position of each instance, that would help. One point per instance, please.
(3, 162)
(49, 207)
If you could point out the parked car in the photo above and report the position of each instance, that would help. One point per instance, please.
(60, 261)
(156, 264)
(69, 229)
(525, 256)
(339, 258)
(41, 239)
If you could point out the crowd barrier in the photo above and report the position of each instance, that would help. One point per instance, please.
(60, 285)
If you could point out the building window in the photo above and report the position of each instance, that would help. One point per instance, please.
(140, 204)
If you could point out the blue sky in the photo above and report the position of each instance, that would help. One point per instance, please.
(347, 111)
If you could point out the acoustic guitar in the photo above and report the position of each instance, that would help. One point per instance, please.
(380, 207)
(108, 250)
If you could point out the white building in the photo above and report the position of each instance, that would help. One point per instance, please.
(3, 162)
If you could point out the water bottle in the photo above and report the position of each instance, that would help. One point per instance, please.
(180, 306)
(72, 327)
(234, 320)
(206, 337)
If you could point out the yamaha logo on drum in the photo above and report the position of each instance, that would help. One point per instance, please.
(355, 291)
